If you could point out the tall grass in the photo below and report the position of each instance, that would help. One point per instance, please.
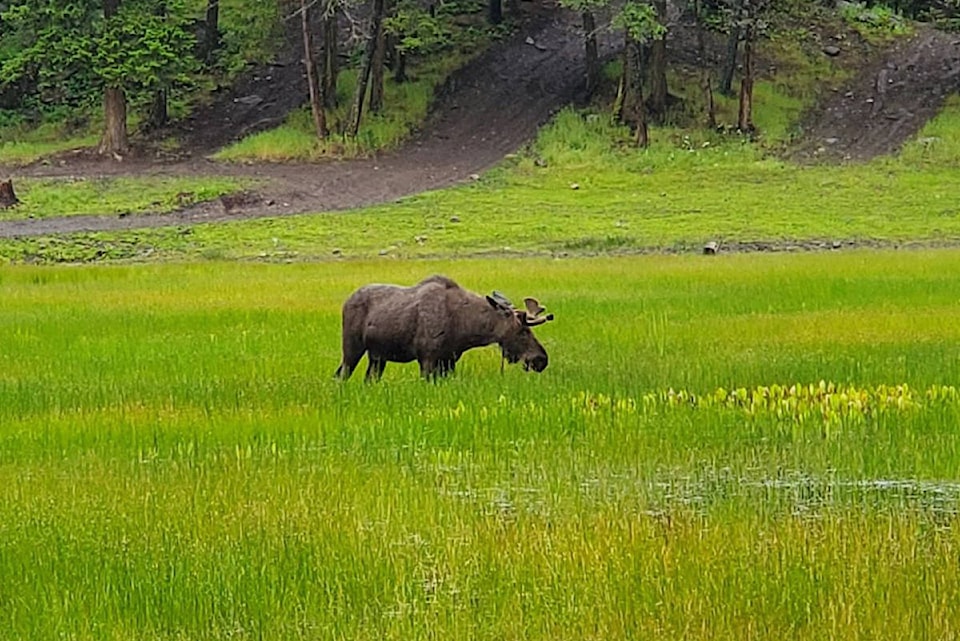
(177, 462)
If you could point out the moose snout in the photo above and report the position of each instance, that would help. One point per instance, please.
(537, 363)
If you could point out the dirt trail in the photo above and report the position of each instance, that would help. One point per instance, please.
(487, 110)
(888, 101)
(491, 108)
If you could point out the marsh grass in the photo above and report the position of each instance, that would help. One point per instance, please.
(177, 462)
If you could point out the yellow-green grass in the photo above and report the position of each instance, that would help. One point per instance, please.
(56, 197)
(177, 462)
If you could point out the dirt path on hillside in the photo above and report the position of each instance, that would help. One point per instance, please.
(489, 109)
(886, 103)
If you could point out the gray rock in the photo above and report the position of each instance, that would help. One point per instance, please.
(250, 100)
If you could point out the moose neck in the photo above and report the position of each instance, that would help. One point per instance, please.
(485, 326)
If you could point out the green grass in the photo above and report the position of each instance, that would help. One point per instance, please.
(177, 462)
(406, 108)
(686, 189)
(878, 23)
(21, 146)
(56, 197)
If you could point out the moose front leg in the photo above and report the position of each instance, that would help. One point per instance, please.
(375, 367)
(429, 368)
(446, 366)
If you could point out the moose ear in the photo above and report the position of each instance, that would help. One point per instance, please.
(503, 300)
(500, 307)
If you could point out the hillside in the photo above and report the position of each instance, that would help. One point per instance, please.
(489, 109)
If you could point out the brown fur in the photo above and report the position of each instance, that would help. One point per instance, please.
(433, 322)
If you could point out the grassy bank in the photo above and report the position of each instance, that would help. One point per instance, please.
(176, 461)
(127, 195)
(579, 190)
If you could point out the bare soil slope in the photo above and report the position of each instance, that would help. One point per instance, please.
(889, 101)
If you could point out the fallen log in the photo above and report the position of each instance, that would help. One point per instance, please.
(7, 196)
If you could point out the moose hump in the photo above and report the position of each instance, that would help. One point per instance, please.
(434, 322)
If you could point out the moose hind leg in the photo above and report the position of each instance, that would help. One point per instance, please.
(352, 353)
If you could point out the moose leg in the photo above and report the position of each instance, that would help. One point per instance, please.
(446, 366)
(352, 353)
(428, 368)
(375, 367)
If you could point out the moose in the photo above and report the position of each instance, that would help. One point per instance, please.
(434, 322)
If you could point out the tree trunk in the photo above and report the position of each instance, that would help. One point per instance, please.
(7, 197)
(114, 140)
(745, 120)
(706, 85)
(376, 74)
(730, 61)
(399, 61)
(363, 78)
(330, 62)
(658, 65)
(618, 102)
(634, 112)
(591, 56)
(494, 11)
(211, 32)
(159, 115)
(701, 38)
(316, 101)
(706, 81)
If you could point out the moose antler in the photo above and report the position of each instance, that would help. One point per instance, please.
(534, 311)
(531, 317)
(534, 308)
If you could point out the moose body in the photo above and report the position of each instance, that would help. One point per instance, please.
(434, 322)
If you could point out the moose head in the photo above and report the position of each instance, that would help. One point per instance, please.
(516, 340)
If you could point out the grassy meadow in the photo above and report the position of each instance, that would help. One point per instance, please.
(176, 461)
(740, 446)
